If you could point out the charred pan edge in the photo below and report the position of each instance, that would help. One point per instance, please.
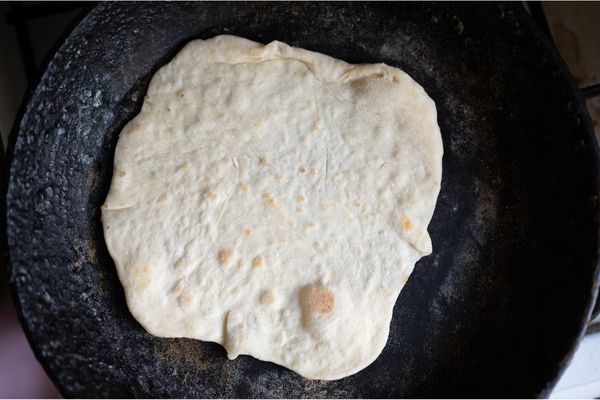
(592, 145)
(31, 91)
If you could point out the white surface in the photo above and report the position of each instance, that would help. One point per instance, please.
(274, 200)
(582, 377)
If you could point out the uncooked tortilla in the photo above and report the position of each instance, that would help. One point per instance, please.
(274, 200)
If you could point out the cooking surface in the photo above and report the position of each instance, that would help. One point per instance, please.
(505, 247)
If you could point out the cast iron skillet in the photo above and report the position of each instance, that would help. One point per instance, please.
(497, 309)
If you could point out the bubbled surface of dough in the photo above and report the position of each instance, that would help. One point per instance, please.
(274, 200)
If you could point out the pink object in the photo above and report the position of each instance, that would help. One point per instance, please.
(21, 375)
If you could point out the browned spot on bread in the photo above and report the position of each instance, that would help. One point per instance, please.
(212, 196)
(145, 284)
(183, 165)
(121, 173)
(185, 299)
(313, 172)
(279, 177)
(168, 109)
(405, 223)
(239, 263)
(269, 200)
(162, 198)
(264, 162)
(257, 261)
(319, 299)
(136, 127)
(138, 271)
(309, 225)
(300, 199)
(247, 232)
(266, 297)
(244, 187)
(177, 288)
(225, 256)
(301, 170)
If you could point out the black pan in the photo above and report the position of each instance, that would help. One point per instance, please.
(497, 309)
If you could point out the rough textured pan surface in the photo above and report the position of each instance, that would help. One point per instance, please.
(496, 310)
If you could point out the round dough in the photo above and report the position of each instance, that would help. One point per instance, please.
(274, 200)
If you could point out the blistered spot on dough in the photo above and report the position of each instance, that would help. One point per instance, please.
(257, 261)
(301, 170)
(225, 256)
(244, 187)
(185, 299)
(405, 223)
(121, 173)
(317, 299)
(270, 200)
(212, 196)
(266, 297)
(139, 271)
(145, 284)
(136, 127)
(247, 232)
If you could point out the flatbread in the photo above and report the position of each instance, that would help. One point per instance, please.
(274, 200)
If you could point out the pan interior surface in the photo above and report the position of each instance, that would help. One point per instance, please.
(493, 312)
